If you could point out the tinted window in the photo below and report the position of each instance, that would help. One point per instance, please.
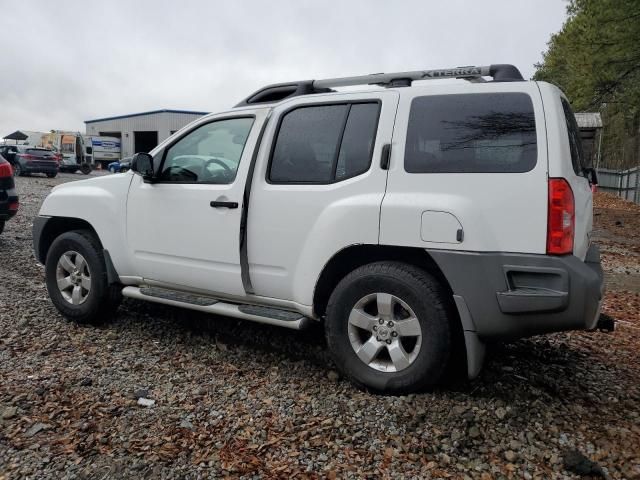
(324, 143)
(488, 132)
(358, 140)
(575, 142)
(209, 154)
(38, 152)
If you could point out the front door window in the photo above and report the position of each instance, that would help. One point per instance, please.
(209, 154)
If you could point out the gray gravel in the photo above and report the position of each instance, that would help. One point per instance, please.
(230, 398)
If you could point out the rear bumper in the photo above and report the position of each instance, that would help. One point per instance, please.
(40, 168)
(517, 295)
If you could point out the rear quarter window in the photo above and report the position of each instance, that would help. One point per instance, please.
(471, 133)
(575, 141)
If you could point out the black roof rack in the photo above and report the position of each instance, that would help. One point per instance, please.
(280, 91)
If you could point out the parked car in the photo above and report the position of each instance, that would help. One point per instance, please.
(28, 160)
(8, 195)
(120, 166)
(9, 153)
(404, 219)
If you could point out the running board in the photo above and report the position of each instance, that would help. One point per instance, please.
(254, 313)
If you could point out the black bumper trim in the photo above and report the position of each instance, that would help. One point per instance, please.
(515, 295)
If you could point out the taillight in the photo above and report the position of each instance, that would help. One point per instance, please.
(13, 206)
(561, 217)
(26, 156)
(5, 169)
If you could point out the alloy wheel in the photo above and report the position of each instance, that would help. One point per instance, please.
(384, 332)
(73, 277)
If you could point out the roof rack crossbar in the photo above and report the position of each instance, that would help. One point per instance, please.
(272, 93)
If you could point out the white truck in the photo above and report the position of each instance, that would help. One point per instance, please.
(101, 150)
(405, 217)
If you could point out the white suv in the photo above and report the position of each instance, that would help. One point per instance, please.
(403, 217)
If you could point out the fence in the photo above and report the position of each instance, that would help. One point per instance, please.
(624, 183)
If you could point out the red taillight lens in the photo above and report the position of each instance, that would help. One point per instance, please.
(5, 169)
(561, 219)
(26, 156)
(13, 206)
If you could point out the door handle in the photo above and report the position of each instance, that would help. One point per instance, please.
(218, 204)
(385, 157)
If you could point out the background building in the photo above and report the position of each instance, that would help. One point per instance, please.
(141, 132)
(590, 125)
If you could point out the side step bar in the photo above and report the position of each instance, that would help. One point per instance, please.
(254, 313)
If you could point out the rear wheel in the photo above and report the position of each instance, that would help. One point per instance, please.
(388, 328)
(76, 278)
(51, 175)
(1, 226)
(85, 168)
(17, 170)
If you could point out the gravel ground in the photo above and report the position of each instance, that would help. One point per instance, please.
(237, 399)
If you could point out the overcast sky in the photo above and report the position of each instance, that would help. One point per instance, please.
(64, 62)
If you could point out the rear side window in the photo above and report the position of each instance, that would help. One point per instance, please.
(471, 133)
(575, 142)
(324, 143)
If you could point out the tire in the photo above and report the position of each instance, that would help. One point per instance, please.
(85, 168)
(93, 305)
(413, 298)
(112, 169)
(51, 175)
(17, 170)
(1, 226)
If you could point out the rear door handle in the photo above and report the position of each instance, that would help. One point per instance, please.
(218, 204)
(385, 157)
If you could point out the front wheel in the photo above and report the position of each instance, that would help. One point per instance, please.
(17, 170)
(85, 168)
(388, 328)
(76, 278)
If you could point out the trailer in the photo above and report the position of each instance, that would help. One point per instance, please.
(101, 150)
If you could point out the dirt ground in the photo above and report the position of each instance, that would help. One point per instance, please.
(235, 399)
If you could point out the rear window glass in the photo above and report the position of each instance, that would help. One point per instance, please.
(38, 152)
(471, 133)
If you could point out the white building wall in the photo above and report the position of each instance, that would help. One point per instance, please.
(162, 122)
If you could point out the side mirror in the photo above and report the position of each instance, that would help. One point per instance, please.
(142, 164)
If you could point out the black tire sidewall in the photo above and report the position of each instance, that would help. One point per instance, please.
(91, 310)
(427, 368)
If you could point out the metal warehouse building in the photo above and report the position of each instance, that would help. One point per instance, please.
(141, 132)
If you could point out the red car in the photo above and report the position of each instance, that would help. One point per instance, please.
(8, 195)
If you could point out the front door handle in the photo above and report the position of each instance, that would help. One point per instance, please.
(218, 204)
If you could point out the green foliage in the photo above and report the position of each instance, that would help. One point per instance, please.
(595, 59)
